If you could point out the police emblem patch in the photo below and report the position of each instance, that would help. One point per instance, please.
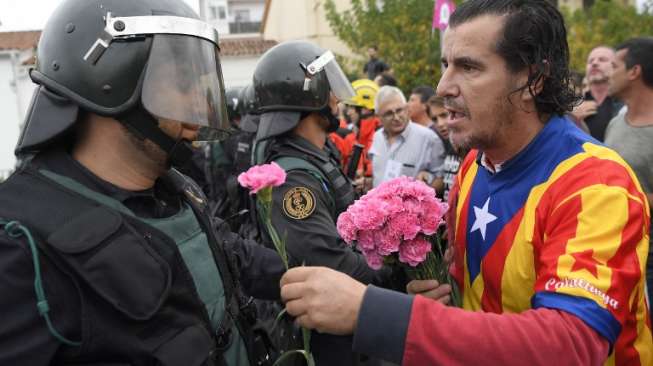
(299, 203)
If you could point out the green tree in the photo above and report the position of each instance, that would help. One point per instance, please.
(402, 31)
(605, 23)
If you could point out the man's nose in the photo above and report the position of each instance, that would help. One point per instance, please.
(446, 86)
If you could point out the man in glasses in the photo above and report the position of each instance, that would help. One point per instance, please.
(107, 253)
(402, 147)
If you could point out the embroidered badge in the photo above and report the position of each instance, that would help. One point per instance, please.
(299, 203)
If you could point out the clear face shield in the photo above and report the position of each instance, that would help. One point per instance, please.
(183, 80)
(183, 83)
(338, 81)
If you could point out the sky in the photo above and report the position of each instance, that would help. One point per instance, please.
(19, 15)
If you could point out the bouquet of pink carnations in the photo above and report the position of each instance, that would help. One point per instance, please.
(397, 223)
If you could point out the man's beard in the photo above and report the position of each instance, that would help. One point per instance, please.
(484, 140)
(598, 78)
(149, 150)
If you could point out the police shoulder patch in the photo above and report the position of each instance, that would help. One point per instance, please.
(298, 203)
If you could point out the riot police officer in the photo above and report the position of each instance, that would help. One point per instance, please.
(234, 156)
(107, 255)
(298, 86)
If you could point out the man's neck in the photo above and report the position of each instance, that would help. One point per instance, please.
(599, 91)
(521, 133)
(107, 151)
(310, 129)
(640, 109)
(423, 120)
(392, 137)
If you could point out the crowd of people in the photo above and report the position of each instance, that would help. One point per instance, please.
(126, 239)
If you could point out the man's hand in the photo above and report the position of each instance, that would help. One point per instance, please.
(584, 110)
(431, 289)
(322, 299)
(424, 176)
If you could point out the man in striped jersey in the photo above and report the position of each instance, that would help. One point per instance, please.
(550, 228)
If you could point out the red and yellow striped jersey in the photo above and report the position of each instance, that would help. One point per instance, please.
(563, 225)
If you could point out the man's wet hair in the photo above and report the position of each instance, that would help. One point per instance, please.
(639, 51)
(533, 37)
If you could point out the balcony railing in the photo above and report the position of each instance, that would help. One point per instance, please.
(244, 27)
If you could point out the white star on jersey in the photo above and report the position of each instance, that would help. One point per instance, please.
(483, 218)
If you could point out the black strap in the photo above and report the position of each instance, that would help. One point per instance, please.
(145, 126)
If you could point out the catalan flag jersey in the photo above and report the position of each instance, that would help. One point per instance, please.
(563, 225)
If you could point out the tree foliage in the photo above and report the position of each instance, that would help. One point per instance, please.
(605, 23)
(402, 31)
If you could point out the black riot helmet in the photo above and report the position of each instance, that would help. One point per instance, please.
(251, 113)
(137, 61)
(235, 107)
(296, 78)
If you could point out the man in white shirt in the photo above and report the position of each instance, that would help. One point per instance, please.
(402, 147)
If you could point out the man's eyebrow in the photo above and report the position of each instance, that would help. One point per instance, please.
(467, 61)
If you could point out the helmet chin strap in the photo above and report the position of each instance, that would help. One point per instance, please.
(145, 126)
(334, 123)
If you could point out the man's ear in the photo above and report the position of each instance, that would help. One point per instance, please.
(634, 72)
(539, 72)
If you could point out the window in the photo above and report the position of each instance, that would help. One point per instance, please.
(242, 15)
(217, 12)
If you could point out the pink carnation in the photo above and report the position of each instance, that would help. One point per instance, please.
(413, 252)
(405, 224)
(370, 216)
(366, 240)
(262, 176)
(387, 241)
(346, 227)
(374, 260)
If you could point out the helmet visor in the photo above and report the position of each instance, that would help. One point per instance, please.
(338, 81)
(183, 83)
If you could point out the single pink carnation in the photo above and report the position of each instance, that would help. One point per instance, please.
(262, 176)
(405, 224)
(371, 215)
(413, 252)
(373, 259)
(387, 241)
(366, 241)
(346, 227)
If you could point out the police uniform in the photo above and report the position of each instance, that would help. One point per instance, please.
(118, 283)
(291, 81)
(92, 274)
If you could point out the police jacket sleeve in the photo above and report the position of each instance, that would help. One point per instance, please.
(420, 331)
(260, 268)
(24, 336)
(301, 214)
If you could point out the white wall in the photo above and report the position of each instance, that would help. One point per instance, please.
(16, 90)
(305, 20)
(238, 71)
